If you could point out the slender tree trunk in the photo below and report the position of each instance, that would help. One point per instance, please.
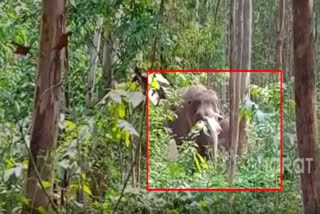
(232, 38)
(306, 109)
(239, 35)
(234, 85)
(246, 64)
(94, 51)
(280, 30)
(247, 34)
(287, 54)
(46, 106)
(107, 64)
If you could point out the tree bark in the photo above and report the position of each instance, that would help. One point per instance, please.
(46, 106)
(239, 35)
(234, 85)
(244, 96)
(306, 109)
(94, 50)
(107, 64)
(247, 35)
(232, 38)
(280, 30)
(246, 64)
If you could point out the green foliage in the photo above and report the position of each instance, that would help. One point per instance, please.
(97, 144)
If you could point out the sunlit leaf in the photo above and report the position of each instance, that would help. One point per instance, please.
(203, 161)
(127, 139)
(83, 176)
(65, 163)
(162, 80)
(133, 86)
(154, 84)
(23, 200)
(9, 164)
(8, 173)
(69, 124)
(46, 184)
(87, 190)
(42, 210)
(118, 136)
(122, 111)
(197, 163)
(174, 169)
(125, 125)
(135, 98)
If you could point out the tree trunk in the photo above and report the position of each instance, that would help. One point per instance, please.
(306, 109)
(244, 96)
(288, 53)
(94, 51)
(246, 64)
(239, 35)
(247, 35)
(107, 65)
(46, 109)
(234, 85)
(232, 38)
(280, 30)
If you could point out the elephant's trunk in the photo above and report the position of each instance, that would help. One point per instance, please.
(214, 130)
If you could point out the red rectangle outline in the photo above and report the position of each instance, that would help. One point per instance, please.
(220, 189)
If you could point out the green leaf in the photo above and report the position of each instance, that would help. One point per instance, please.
(42, 210)
(174, 170)
(255, 92)
(23, 200)
(203, 161)
(122, 111)
(125, 125)
(69, 124)
(133, 86)
(87, 190)
(197, 162)
(127, 139)
(135, 98)
(154, 84)
(46, 184)
(83, 176)
(65, 163)
(8, 174)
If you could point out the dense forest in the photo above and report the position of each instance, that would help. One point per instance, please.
(157, 106)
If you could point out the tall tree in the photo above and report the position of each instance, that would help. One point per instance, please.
(234, 87)
(108, 59)
(94, 50)
(306, 109)
(51, 65)
(246, 64)
(240, 58)
(280, 32)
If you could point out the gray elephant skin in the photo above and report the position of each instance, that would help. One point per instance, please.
(198, 103)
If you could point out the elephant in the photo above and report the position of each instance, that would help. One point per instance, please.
(224, 137)
(198, 104)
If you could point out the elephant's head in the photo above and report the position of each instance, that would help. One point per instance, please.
(199, 104)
